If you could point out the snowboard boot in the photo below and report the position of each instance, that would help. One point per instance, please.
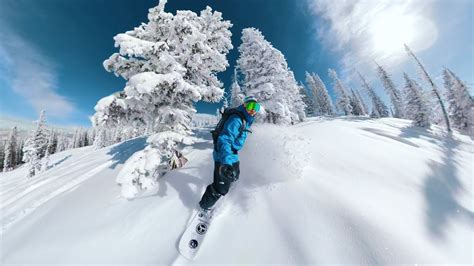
(210, 197)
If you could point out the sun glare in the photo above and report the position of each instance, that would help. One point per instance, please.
(390, 31)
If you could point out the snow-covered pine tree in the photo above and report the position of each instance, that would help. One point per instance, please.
(52, 142)
(77, 138)
(315, 104)
(35, 146)
(343, 102)
(225, 103)
(415, 102)
(92, 134)
(379, 109)
(392, 91)
(322, 96)
(357, 108)
(62, 143)
(100, 140)
(10, 150)
(73, 141)
(460, 102)
(85, 138)
(49, 150)
(295, 101)
(362, 102)
(19, 151)
(309, 110)
(236, 96)
(268, 78)
(169, 63)
(434, 88)
(2, 153)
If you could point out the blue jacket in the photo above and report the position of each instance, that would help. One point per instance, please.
(230, 138)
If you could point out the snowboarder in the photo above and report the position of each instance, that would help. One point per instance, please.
(229, 137)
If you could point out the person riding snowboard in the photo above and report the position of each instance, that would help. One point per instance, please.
(229, 137)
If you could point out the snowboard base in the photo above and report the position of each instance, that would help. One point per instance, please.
(193, 237)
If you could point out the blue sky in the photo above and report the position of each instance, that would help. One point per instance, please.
(51, 51)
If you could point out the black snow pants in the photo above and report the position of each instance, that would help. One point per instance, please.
(219, 187)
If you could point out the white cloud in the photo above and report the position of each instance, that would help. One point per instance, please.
(374, 30)
(31, 75)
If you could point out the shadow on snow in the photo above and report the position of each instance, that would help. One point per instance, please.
(440, 189)
(123, 151)
(442, 185)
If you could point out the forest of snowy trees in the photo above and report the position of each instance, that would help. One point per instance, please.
(35, 149)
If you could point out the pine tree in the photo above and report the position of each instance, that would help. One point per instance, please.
(52, 142)
(379, 109)
(19, 152)
(49, 150)
(460, 102)
(236, 97)
(35, 146)
(363, 104)
(72, 144)
(2, 153)
(392, 91)
(322, 96)
(357, 108)
(434, 88)
(343, 103)
(309, 110)
(85, 138)
(415, 102)
(77, 138)
(10, 151)
(268, 78)
(62, 143)
(100, 140)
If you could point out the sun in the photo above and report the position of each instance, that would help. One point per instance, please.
(389, 31)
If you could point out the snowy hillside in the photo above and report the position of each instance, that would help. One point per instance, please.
(345, 190)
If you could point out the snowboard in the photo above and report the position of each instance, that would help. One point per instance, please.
(193, 237)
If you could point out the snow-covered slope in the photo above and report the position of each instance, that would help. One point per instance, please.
(324, 191)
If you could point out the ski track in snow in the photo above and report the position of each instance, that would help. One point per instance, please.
(326, 191)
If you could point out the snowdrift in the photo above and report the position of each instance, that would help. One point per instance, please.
(345, 190)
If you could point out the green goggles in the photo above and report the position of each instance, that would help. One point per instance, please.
(252, 106)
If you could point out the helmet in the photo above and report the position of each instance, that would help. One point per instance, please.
(250, 99)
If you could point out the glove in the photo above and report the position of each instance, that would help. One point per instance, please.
(226, 171)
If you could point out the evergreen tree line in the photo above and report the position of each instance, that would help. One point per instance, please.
(39, 145)
(412, 101)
